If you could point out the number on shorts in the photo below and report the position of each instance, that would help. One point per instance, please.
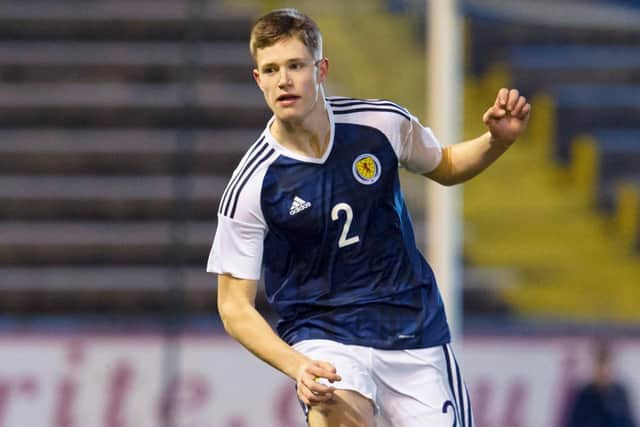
(344, 240)
(446, 406)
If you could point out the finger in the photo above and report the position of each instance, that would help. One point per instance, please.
(324, 370)
(513, 98)
(330, 372)
(501, 99)
(525, 111)
(325, 365)
(303, 398)
(493, 113)
(314, 383)
(319, 388)
(311, 398)
(517, 110)
(315, 399)
(320, 397)
(305, 395)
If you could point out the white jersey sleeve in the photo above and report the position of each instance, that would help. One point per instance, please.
(237, 249)
(416, 146)
(238, 244)
(419, 151)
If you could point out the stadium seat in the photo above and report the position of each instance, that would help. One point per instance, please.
(120, 124)
(148, 20)
(627, 215)
(518, 27)
(217, 105)
(121, 151)
(582, 108)
(609, 156)
(541, 67)
(141, 61)
(582, 76)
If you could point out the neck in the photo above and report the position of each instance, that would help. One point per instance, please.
(309, 137)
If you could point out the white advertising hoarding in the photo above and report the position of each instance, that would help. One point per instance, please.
(98, 380)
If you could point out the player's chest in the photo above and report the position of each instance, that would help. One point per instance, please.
(307, 198)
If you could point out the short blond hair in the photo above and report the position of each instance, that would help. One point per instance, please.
(280, 24)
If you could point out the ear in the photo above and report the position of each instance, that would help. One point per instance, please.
(256, 76)
(323, 70)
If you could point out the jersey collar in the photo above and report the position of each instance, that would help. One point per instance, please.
(288, 153)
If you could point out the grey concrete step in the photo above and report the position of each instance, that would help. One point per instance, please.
(96, 278)
(617, 160)
(122, 198)
(96, 289)
(487, 46)
(49, 61)
(104, 243)
(51, 151)
(131, 105)
(118, 19)
(541, 67)
(587, 107)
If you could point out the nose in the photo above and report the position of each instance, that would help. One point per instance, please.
(285, 80)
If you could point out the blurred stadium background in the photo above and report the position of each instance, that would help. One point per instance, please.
(120, 123)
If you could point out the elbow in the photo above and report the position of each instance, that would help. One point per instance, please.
(225, 311)
(233, 314)
(235, 302)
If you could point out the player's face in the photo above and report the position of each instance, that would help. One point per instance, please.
(290, 79)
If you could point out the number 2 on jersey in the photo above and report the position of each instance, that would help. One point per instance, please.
(344, 240)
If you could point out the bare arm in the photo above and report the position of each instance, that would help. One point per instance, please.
(236, 305)
(506, 119)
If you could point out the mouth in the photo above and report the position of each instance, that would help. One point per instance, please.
(287, 99)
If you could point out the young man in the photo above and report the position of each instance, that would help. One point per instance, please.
(316, 204)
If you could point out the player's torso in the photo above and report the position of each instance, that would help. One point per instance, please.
(333, 227)
(339, 255)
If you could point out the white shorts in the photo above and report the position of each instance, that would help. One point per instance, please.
(409, 388)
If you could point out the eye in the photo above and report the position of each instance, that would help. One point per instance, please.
(268, 70)
(296, 66)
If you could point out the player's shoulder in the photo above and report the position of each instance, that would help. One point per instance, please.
(391, 119)
(244, 186)
(258, 155)
(373, 110)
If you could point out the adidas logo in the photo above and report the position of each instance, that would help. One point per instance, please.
(298, 205)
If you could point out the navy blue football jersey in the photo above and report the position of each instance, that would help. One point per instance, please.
(332, 236)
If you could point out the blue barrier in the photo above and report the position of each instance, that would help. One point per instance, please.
(618, 159)
(582, 108)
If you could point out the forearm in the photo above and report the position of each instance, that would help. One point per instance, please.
(250, 329)
(236, 304)
(467, 159)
